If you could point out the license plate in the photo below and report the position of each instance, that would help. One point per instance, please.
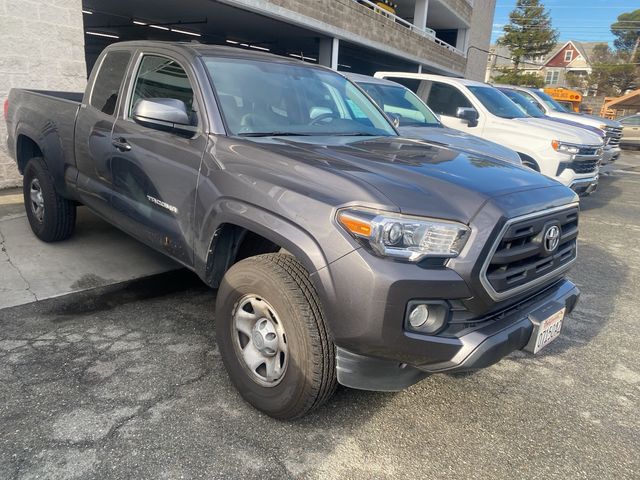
(548, 330)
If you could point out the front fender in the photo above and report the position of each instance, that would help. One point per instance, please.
(293, 238)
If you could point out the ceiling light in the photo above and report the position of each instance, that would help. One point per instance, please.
(138, 22)
(244, 44)
(185, 32)
(87, 12)
(159, 27)
(98, 34)
(232, 42)
(264, 49)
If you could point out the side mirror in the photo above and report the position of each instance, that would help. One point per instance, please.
(167, 114)
(468, 114)
(395, 119)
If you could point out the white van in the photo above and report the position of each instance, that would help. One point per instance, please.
(569, 154)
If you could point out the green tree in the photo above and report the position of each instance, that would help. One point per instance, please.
(529, 33)
(510, 76)
(627, 32)
(611, 72)
(575, 80)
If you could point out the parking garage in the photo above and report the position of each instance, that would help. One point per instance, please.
(214, 22)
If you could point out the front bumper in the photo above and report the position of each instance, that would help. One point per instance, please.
(610, 154)
(509, 331)
(585, 186)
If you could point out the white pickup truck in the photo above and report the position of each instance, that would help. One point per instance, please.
(551, 108)
(569, 154)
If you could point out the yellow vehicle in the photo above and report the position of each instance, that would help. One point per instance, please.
(570, 99)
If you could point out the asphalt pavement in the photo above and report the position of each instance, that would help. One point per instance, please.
(128, 383)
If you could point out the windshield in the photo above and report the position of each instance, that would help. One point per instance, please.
(525, 103)
(403, 103)
(265, 98)
(497, 102)
(551, 103)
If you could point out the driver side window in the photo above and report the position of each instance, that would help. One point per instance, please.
(446, 99)
(161, 77)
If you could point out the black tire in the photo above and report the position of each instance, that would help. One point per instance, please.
(309, 379)
(58, 219)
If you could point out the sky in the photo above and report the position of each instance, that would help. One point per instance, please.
(581, 20)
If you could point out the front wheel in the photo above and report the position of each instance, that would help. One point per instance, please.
(272, 336)
(51, 216)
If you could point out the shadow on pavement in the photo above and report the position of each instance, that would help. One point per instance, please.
(607, 192)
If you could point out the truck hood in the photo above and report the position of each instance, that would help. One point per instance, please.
(593, 129)
(558, 131)
(417, 177)
(462, 141)
(584, 119)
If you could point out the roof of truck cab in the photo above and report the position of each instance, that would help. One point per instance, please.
(515, 87)
(359, 78)
(197, 49)
(432, 77)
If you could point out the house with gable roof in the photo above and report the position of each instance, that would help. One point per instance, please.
(569, 58)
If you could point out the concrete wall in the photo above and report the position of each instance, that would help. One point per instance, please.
(480, 37)
(41, 46)
(356, 23)
(463, 8)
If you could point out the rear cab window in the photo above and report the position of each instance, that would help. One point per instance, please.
(106, 87)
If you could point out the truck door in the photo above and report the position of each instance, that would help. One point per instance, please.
(445, 99)
(93, 131)
(154, 168)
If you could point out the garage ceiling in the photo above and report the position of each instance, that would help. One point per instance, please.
(216, 23)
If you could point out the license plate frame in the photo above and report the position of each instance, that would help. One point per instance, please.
(546, 330)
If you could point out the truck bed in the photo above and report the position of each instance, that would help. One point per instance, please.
(75, 97)
(49, 118)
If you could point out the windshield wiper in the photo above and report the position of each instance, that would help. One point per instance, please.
(274, 134)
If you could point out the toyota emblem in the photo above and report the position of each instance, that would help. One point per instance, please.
(551, 238)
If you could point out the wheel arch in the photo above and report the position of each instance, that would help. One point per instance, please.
(529, 161)
(26, 149)
(256, 231)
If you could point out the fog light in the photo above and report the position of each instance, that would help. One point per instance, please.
(426, 317)
(419, 316)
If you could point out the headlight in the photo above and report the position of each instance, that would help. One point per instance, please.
(405, 237)
(567, 148)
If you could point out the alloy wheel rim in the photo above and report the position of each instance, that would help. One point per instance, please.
(37, 200)
(260, 340)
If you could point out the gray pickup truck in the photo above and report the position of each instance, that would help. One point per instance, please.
(341, 252)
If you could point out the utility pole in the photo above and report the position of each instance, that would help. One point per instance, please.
(635, 48)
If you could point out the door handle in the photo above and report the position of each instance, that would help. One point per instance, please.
(121, 144)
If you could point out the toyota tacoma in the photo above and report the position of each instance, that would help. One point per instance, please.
(341, 252)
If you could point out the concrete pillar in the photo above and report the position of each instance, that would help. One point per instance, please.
(41, 47)
(328, 54)
(420, 13)
(461, 39)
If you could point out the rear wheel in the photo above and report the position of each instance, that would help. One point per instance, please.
(272, 336)
(51, 217)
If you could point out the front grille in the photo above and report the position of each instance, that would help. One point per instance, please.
(589, 151)
(520, 259)
(614, 134)
(584, 166)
